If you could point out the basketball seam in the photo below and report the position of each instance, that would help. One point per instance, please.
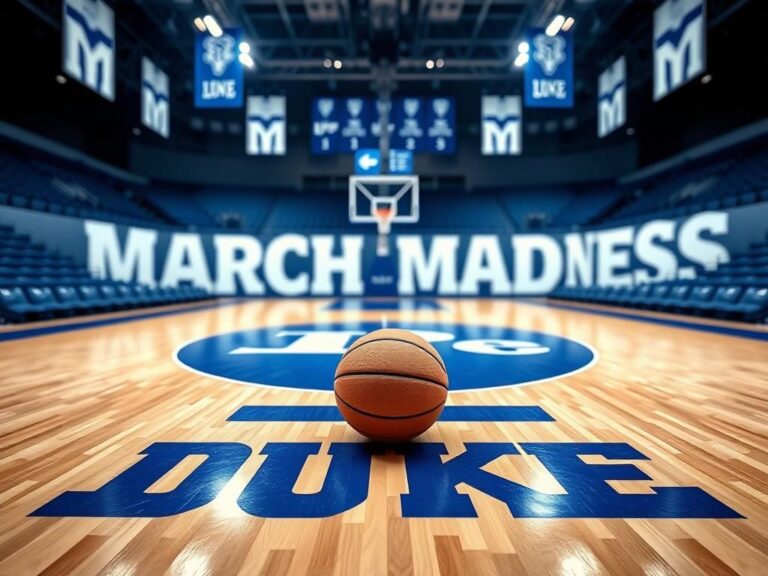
(372, 415)
(388, 375)
(437, 358)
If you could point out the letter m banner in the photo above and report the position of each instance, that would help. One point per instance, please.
(679, 44)
(89, 45)
(265, 126)
(501, 125)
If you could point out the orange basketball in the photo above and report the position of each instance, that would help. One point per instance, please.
(391, 385)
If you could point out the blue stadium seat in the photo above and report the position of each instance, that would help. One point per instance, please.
(677, 297)
(752, 307)
(14, 306)
(699, 295)
(43, 296)
(68, 296)
(93, 299)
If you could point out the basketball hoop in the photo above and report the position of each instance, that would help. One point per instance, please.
(382, 200)
(384, 211)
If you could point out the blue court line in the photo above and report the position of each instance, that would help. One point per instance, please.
(75, 326)
(366, 304)
(332, 414)
(711, 328)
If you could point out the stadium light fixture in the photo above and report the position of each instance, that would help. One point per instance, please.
(199, 24)
(568, 24)
(521, 59)
(245, 48)
(212, 26)
(246, 60)
(61, 79)
(555, 25)
(337, 64)
(439, 62)
(523, 47)
(429, 64)
(327, 63)
(706, 79)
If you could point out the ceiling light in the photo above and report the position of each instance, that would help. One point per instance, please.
(246, 60)
(554, 26)
(568, 24)
(521, 59)
(523, 47)
(61, 79)
(439, 62)
(199, 24)
(337, 64)
(430, 64)
(327, 63)
(706, 79)
(213, 26)
(245, 48)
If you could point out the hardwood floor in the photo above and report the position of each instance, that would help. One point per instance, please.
(78, 408)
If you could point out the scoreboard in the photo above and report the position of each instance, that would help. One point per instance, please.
(345, 125)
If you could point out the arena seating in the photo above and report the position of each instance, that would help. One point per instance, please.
(36, 283)
(55, 186)
(737, 290)
(48, 185)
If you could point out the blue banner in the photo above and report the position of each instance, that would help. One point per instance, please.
(345, 125)
(441, 126)
(400, 161)
(355, 120)
(549, 72)
(218, 72)
(325, 126)
(342, 125)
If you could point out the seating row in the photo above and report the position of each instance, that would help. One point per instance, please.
(19, 304)
(733, 302)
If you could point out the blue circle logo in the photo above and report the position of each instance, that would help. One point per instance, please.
(305, 356)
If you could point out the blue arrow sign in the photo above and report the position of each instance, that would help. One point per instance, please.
(368, 161)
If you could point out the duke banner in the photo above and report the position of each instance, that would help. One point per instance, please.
(218, 72)
(549, 72)
(612, 98)
(265, 126)
(502, 120)
(89, 45)
(679, 44)
(155, 98)
(296, 264)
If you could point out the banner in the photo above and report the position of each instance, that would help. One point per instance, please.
(89, 45)
(549, 72)
(612, 98)
(155, 98)
(218, 72)
(409, 118)
(502, 120)
(345, 125)
(317, 264)
(355, 125)
(265, 126)
(441, 126)
(679, 44)
(325, 126)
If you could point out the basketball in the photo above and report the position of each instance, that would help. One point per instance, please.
(391, 385)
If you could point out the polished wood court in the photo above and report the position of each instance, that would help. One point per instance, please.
(77, 408)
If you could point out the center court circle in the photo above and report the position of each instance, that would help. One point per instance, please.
(305, 356)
